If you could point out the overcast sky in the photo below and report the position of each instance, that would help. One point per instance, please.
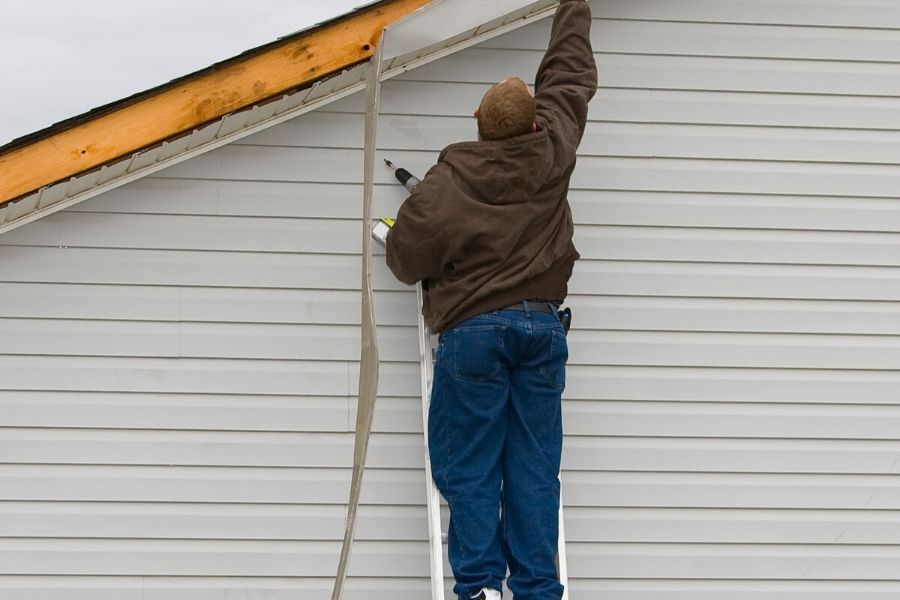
(61, 58)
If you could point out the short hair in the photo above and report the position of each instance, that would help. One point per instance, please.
(507, 110)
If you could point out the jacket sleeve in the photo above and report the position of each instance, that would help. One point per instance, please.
(416, 245)
(567, 77)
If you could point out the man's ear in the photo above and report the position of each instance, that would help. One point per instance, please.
(477, 113)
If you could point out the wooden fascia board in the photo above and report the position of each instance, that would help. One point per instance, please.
(191, 103)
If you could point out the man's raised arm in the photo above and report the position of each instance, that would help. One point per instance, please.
(567, 77)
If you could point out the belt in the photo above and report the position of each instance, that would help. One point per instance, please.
(533, 305)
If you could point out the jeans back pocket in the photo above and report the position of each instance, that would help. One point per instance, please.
(554, 368)
(477, 352)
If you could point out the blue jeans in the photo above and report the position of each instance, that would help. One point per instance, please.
(495, 439)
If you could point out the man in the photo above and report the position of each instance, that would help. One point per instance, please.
(489, 232)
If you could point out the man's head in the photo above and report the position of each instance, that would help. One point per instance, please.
(507, 110)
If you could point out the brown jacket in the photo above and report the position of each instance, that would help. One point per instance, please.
(490, 224)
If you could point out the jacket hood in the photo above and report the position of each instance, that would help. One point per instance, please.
(503, 171)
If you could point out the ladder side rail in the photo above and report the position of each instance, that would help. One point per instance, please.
(561, 550)
(432, 496)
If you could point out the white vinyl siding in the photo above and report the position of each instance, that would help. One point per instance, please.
(178, 358)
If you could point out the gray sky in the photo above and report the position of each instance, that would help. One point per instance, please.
(61, 58)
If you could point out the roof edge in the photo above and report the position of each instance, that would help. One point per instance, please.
(237, 125)
(119, 129)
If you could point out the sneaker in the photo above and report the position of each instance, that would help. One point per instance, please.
(487, 594)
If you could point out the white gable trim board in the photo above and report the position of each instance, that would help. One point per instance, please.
(178, 356)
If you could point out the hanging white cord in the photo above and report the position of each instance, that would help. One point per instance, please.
(368, 363)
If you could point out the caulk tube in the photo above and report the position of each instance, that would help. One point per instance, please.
(382, 227)
(408, 180)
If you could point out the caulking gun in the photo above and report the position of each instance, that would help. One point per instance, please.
(409, 181)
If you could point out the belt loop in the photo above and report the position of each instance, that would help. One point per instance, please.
(527, 310)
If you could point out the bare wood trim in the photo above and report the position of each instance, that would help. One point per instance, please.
(211, 95)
